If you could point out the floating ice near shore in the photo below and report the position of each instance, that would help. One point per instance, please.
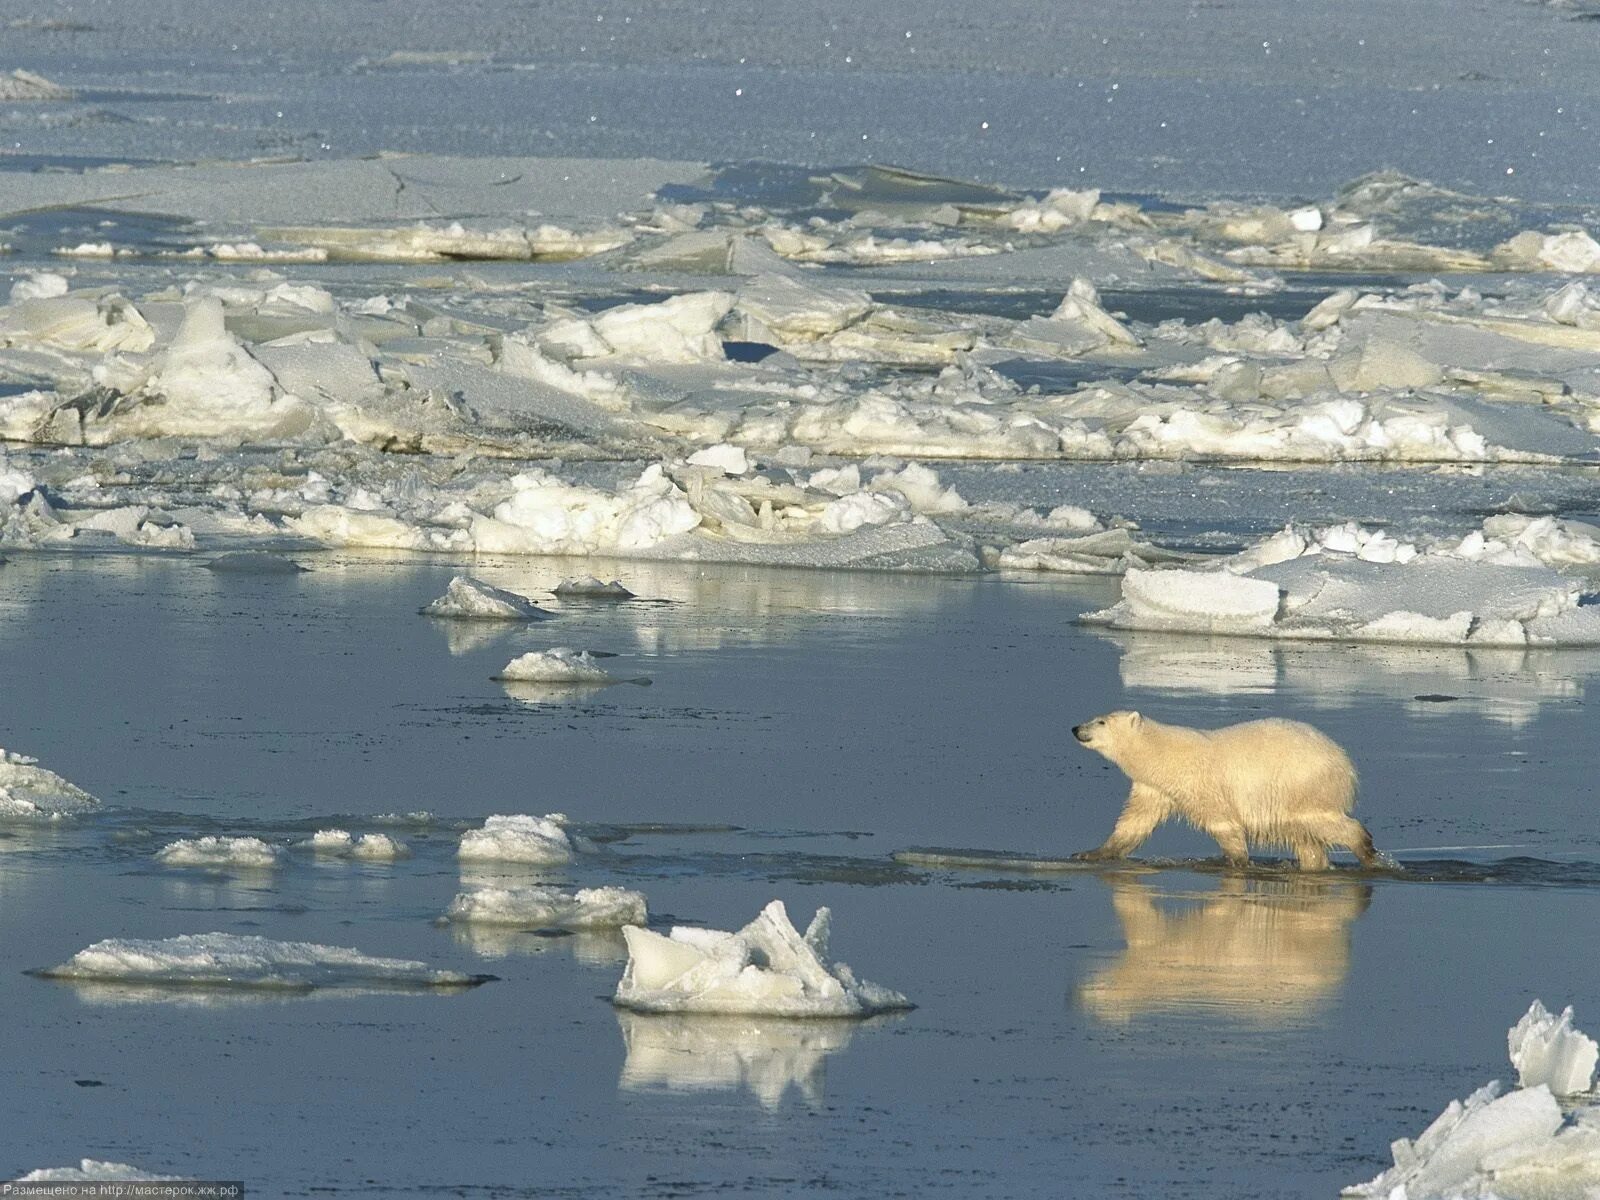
(219, 852)
(765, 969)
(1490, 588)
(31, 792)
(518, 839)
(93, 1170)
(1520, 1144)
(243, 961)
(471, 599)
(370, 847)
(558, 665)
(554, 908)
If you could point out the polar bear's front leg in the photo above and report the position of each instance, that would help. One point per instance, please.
(1146, 808)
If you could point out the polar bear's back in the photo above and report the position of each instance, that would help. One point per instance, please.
(1275, 769)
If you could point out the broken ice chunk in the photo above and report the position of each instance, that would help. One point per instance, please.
(1547, 1050)
(765, 969)
(471, 599)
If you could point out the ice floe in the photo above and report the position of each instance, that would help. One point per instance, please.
(518, 838)
(590, 588)
(254, 562)
(765, 969)
(229, 960)
(93, 1170)
(25, 85)
(1513, 1145)
(558, 665)
(369, 847)
(545, 907)
(220, 852)
(31, 792)
(1491, 588)
(471, 599)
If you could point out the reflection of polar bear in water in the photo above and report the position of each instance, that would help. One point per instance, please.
(1276, 782)
(1267, 951)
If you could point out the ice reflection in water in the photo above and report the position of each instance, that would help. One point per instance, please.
(1507, 686)
(767, 1056)
(1262, 952)
(592, 947)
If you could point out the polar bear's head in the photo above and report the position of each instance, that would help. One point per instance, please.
(1108, 733)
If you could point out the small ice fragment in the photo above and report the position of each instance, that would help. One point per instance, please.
(254, 562)
(471, 599)
(590, 588)
(209, 851)
(1547, 1049)
(243, 961)
(560, 664)
(331, 841)
(546, 907)
(518, 839)
(765, 969)
(730, 460)
(1306, 220)
(29, 791)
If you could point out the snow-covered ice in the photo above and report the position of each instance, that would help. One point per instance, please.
(1491, 587)
(765, 969)
(30, 792)
(245, 961)
(370, 847)
(471, 599)
(545, 907)
(93, 1170)
(518, 838)
(220, 852)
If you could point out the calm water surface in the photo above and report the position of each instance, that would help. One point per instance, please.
(1160, 1030)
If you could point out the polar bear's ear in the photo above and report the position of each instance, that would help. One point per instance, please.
(1135, 719)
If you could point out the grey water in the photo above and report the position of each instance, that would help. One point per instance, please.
(1158, 1029)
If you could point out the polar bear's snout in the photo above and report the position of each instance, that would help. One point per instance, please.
(1081, 732)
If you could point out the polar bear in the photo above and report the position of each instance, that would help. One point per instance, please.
(1276, 782)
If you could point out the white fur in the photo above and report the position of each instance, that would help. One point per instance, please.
(1272, 782)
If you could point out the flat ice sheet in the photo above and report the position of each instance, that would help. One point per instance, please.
(245, 961)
